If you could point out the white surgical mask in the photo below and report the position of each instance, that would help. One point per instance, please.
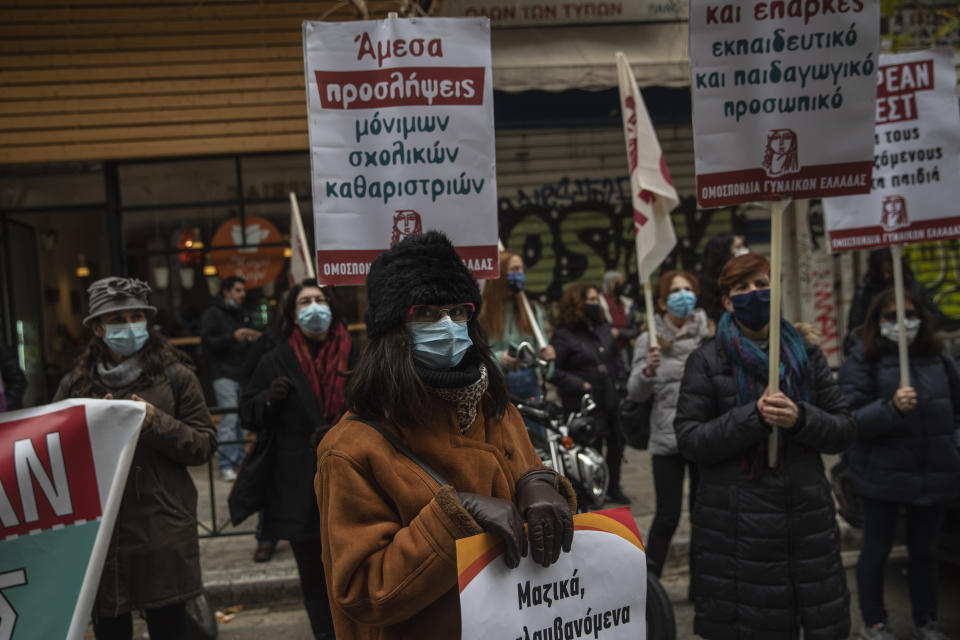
(910, 325)
(742, 251)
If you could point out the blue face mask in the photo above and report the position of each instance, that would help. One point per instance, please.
(315, 318)
(517, 280)
(752, 309)
(682, 303)
(126, 339)
(440, 344)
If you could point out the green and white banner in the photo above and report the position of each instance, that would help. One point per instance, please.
(62, 471)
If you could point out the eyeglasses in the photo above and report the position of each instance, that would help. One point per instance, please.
(431, 313)
(909, 314)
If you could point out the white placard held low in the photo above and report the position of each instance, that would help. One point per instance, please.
(599, 589)
(916, 173)
(401, 139)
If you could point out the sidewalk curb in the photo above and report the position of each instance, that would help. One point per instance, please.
(278, 580)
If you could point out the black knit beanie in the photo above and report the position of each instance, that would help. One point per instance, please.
(421, 269)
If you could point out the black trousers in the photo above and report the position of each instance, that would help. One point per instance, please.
(314, 587)
(165, 623)
(668, 474)
(879, 525)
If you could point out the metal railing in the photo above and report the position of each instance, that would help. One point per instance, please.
(217, 529)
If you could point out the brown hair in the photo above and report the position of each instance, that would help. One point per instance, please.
(496, 294)
(927, 343)
(739, 269)
(666, 280)
(570, 312)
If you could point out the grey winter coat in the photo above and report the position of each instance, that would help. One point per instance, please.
(154, 555)
(768, 546)
(664, 386)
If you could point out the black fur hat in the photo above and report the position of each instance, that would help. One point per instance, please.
(421, 269)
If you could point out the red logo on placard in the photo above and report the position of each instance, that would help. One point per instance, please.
(47, 473)
(894, 213)
(780, 154)
(405, 223)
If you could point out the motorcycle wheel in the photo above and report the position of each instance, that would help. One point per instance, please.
(661, 624)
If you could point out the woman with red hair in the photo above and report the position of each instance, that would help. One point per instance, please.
(766, 539)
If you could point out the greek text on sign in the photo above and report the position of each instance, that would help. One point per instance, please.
(401, 139)
(598, 590)
(515, 13)
(916, 162)
(63, 468)
(777, 85)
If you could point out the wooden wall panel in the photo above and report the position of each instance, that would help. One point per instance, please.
(87, 80)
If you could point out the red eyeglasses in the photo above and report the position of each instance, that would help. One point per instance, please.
(432, 312)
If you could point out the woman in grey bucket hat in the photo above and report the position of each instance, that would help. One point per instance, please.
(153, 564)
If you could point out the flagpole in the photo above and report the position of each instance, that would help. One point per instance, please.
(303, 236)
(896, 253)
(648, 302)
(773, 373)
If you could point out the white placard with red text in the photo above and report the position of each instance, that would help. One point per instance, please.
(401, 139)
(916, 172)
(782, 98)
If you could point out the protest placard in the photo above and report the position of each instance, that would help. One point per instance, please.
(783, 96)
(401, 139)
(599, 589)
(916, 161)
(63, 468)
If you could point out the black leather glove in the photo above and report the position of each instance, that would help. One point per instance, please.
(499, 517)
(547, 514)
(279, 389)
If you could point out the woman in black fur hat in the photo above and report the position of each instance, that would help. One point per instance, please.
(389, 523)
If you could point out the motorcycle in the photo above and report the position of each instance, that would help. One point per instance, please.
(569, 446)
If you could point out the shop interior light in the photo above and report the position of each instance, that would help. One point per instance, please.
(83, 271)
(287, 252)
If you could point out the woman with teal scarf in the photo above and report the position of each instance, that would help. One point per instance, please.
(766, 539)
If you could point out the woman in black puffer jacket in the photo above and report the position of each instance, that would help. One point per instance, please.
(766, 539)
(904, 454)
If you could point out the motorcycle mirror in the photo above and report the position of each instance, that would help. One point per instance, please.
(587, 403)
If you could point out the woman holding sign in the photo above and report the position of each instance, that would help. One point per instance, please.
(430, 451)
(904, 454)
(766, 540)
(153, 564)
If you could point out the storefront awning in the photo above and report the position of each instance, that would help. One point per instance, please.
(561, 58)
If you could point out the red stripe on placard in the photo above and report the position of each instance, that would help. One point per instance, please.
(754, 185)
(400, 87)
(876, 236)
(53, 497)
(344, 267)
(479, 565)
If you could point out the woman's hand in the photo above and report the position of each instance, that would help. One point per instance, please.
(547, 353)
(586, 386)
(501, 518)
(148, 418)
(653, 361)
(778, 410)
(279, 389)
(547, 513)
(508, 362)
(905, 399)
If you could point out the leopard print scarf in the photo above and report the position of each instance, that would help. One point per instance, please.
(465, 399)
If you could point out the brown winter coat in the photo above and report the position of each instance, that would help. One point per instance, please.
(154, 555)
(389, 531)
